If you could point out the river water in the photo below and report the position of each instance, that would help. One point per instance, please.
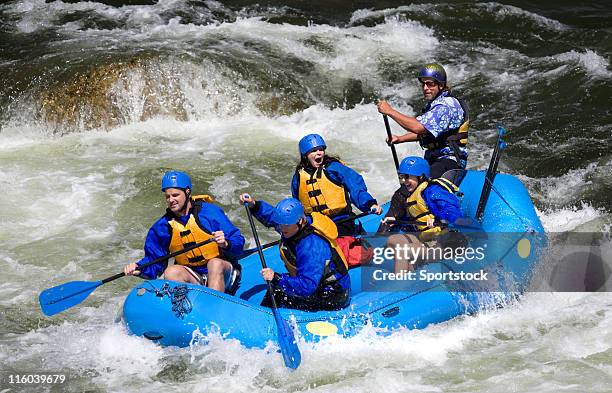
(98, 99)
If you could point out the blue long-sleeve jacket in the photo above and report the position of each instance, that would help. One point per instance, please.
(213, 219)
(312, 252)
(350, 179)
(441, 203)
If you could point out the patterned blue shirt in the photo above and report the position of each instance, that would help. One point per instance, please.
(442, 114)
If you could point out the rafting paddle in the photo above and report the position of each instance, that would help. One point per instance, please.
(286, 339)
(391, 145)
(253, 250)
(57, 299)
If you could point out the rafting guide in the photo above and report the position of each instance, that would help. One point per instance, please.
(442, 128)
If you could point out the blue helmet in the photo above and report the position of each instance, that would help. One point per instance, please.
(415, 166)
(311, 142)
(288, 211)
(175, 179)
(434, 71)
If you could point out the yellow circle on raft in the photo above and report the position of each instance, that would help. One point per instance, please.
(524, 248)
(321, 328)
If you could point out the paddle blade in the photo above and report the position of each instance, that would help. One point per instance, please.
(62, 297)
(287, 342)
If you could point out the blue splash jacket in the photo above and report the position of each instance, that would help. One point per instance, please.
(213, 219)
(312, 252)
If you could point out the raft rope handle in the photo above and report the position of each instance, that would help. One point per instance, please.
(181, 305)
(158, 292)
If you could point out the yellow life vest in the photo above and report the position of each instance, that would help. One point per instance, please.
(191, 233)
(325, 228)
(318, 193)
(417, 209)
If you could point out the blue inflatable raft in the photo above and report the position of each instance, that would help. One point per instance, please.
(509, 237)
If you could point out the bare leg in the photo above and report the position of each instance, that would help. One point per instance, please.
(216, 273)
(408, 244)
(180, 274)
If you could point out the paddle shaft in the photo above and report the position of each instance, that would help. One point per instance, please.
(415, 222)
(260, 252)
(161, 259)
(275, 242)
(395, 160)
(355, 217)
(442, 223)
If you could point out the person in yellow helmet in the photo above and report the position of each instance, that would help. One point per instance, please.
(189, 220)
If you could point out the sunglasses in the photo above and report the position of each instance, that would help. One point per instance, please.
(429, 84)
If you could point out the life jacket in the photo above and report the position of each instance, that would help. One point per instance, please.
(325, 228)
(417, 209)
(454, 138)
(193, 232)
(318, 193)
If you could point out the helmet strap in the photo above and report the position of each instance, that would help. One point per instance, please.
(301, 225)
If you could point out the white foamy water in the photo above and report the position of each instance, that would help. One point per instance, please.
(595, 64)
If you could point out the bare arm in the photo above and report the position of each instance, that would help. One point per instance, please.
(409, 123)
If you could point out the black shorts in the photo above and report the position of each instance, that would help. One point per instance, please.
(438, 167)
(331, 299)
